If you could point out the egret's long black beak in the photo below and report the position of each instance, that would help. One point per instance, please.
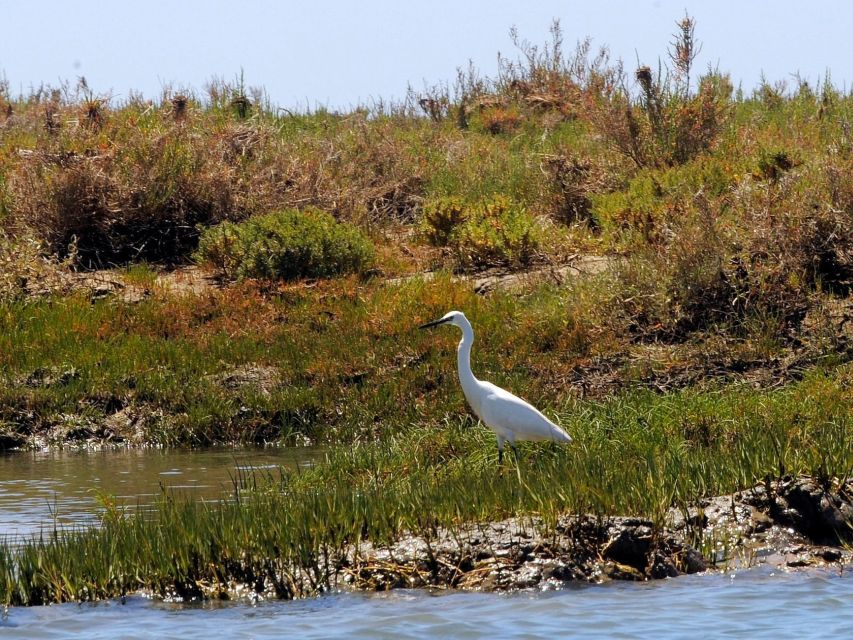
(434, 323)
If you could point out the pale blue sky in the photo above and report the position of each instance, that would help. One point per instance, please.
(338, 54)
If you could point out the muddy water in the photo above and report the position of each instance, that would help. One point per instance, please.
(38, 489)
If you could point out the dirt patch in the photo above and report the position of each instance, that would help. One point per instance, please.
(555, 274)
(195, 280)
(190, 280)
(485, 281)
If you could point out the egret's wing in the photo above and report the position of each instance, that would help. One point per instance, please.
(515, 418)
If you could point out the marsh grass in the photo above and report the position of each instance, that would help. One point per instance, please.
(329, 361)
(345, 354)
(730, 214)
(640, 454)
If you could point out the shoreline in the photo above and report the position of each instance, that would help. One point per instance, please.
(791, 528)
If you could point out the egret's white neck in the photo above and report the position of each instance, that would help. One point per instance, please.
(463, 357)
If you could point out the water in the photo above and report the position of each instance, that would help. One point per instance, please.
(36, 487)
(760, 603)
(66, 487)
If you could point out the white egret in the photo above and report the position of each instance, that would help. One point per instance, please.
(510, 417)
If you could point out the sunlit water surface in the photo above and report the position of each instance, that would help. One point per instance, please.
(40, 489)
(760, 603)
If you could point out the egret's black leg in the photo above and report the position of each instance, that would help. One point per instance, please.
(515, 451)
(500, 456)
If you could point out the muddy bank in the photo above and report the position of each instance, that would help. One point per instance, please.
(793, 522)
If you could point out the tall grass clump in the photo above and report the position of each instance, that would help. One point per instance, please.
(286, 245)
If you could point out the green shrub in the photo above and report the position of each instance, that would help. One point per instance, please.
(286, 244)
(441, 218)
(495, 232)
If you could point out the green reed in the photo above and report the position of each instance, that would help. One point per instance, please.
(639, 454)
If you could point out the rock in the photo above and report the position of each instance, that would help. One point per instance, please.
(10, 438)
(837, 515)
(630, 544)
(799, 562)
(618, 571)
(692, 561)
(821, 516)
(760, 521)
(529, 575)
(662, 566)
(695, 518)
(557, 571)
(828, 554)
(765, 522)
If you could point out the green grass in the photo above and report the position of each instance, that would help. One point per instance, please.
(338, 360)
(730, 215)
(637, 454)
(350, 363)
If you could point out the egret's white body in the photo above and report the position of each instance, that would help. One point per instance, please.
(510, 417)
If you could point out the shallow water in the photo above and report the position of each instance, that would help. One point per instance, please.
(65, 487)
(759, 603)
(35, 488)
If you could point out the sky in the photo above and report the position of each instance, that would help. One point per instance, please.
(311, 53)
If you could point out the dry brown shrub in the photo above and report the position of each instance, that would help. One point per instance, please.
(572, 181)
(674, 288)
(365, 171)
(497, 120)
(665, 128)
(665, 123)
(26, 270)
(767, 251)
(802, 226)
(142, 202)
(180, 104)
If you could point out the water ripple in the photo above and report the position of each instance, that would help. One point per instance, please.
(761, 603)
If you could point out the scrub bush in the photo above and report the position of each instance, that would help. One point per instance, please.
(286, 245)
(494, 232)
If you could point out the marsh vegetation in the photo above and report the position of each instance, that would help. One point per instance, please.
(713, 352)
